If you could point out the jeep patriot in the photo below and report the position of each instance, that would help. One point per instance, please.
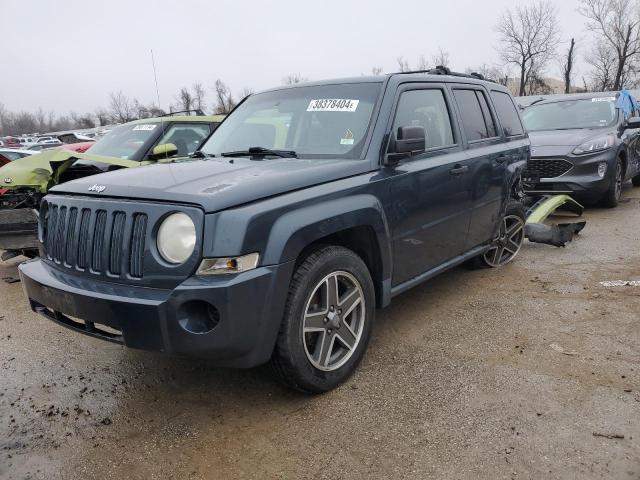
(310, 207)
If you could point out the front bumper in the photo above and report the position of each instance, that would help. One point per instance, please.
(249, 310)
(582, 180)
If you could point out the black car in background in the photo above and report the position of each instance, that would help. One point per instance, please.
(582, 145)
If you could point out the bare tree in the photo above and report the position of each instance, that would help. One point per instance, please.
(603, 62)
(102, 116)
(376, 70)
(567, 66)
(120, 107)
(403, 64)
(293, 78)
(528, 36)
(224, 99)
(440, 59)
(199, 95)
(617, 24)
(184, 99)
(422, 63)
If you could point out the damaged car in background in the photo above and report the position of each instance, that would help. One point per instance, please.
(583, 145)
(24, 182)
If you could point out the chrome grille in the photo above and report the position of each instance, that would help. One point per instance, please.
(549, 167)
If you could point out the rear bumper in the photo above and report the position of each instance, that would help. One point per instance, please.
(18, 229)
(248, 310)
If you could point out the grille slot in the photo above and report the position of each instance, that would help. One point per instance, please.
(136, 252)
(71, 230)
(117, 235)
(549, 167)
(83, 239)
(98, 241)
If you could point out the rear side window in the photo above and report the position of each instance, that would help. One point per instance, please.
(507, 113)
(473, 109)
(427, 109)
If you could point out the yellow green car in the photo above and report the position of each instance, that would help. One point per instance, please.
(24, 182)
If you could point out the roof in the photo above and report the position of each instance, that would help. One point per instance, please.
(182, 118)
(528, 100)
(413, 76)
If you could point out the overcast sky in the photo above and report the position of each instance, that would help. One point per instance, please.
(69, 54)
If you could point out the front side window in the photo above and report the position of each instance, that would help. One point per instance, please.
(597, 112)
(507, 113)
(325, 121)
(427, 109)
(125, 141)
(187, 137)
(474, 121)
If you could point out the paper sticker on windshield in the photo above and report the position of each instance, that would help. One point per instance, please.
(146, 127)
(333, 105)
(604, 99)
(347, 139)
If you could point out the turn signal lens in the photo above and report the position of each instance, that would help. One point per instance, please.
(221, 266)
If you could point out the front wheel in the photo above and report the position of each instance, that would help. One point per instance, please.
(612, 196)
(327, 323)
(636, 180)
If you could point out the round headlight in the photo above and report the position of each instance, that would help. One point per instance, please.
(176, 238)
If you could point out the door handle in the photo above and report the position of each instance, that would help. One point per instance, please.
(459, 169)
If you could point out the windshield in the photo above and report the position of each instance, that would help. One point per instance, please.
(327, 121)
(583, 113)
(124, 141)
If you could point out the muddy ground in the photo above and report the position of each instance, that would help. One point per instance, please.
(509, 373)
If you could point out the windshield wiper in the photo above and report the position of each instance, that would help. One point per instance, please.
(261, 152)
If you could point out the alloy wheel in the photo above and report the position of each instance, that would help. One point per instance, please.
(618, 180)
(333, 321)
(508, 244)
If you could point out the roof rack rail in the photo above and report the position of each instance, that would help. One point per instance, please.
(197, 111)
(442, 70)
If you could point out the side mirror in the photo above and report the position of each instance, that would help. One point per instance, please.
(633, 122)
(164, 150)
(409, 141)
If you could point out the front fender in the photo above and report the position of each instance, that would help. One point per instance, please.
(293, 231)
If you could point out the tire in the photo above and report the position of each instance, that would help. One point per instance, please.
(300, 358)
(612, 196)
(636, 180)
(507, 246)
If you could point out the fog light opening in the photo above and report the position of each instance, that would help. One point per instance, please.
(198, 317)
(602, 169)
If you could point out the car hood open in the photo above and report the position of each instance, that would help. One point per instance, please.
(214, 184)
(41, 171)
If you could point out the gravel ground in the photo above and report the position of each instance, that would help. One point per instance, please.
(521, 372)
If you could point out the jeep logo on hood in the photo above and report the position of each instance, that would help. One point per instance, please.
(97, 188)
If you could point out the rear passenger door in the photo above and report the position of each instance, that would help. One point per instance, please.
(429, 212)
(485, 181)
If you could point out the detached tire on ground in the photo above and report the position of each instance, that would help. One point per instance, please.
(511, 236)
(612, 196)
(327, 322)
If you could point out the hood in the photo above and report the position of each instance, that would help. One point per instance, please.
(560, 142)
(41, 170)
(214, 184)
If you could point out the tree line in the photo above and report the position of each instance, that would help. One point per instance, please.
(121, 109)
(530, 45)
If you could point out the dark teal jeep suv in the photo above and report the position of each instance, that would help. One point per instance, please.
(308, 208)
